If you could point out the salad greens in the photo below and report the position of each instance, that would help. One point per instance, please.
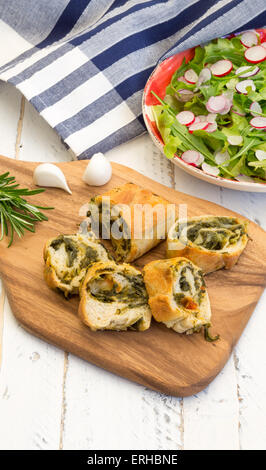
(233, 142)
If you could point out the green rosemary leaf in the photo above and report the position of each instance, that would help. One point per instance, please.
(16, 213)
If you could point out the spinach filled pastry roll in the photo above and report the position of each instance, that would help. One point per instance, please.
(114, 297)
(133, 218)
(177, 294)
(210, 242)
(67, 258)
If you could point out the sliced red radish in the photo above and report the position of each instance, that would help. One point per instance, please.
(202, 117)
(255, 54)
(263, 44)
(235, 139)
(227, 107)
(244, 178)
(249, 39)
(185, 117)
(191, 76)
(201, 159)
(247, 71)
(204, 76)
(211, 118)
(241, 87)
(221, 68)
(258, 122)
(211, 170)
(199, 126)
(255, 108)
(192, 157)
(182, 79)
(212, 127)
(221, 158)
(197, 119)
(260, 154)
(216, 104)
(238, 112)
(184, 95)
(229, 94)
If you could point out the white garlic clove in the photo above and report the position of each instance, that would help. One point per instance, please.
(98, 171)
(49, 175)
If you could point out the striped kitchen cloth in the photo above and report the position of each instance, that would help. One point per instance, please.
(83, 64)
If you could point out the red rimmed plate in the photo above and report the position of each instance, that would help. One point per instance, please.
(157, 82)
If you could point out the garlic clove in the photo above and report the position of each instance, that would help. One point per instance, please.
(49, 175)
(98, 171)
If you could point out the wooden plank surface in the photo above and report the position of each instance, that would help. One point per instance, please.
(160, 359)
(164, 422)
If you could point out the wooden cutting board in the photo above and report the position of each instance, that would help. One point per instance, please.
(159, 358)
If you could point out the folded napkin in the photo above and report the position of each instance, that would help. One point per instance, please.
(83, 64)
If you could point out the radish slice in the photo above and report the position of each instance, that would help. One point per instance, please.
(258, 122)
(182, 79)
(221, 68)
(199, 126)
(241, 87)
(201, 159)
(235, 139)
(238, 112)
(211, 118)
(184, 95)
(244, 179)
(263, 44)
(221, 157)
(247, 71)
(211, 170)
(185, 117)
(255, 54)
(227, 107)
(260, 154)
(249, 39)
(191, 76)
(255, 108)
(202, 117)
(204, 76)
(192, 157)
(197, 119)
(229, 94)
(212, 127)
(216, 104)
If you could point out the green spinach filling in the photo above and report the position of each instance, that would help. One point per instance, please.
(106, 289)
(91, 256)
(72, 249)
(214, 233)
(110, 226)
(191, 284)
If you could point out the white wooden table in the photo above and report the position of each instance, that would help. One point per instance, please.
(50, 399)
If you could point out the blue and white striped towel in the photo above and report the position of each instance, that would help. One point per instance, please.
(83, 64)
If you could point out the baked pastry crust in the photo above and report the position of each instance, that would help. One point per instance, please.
(138, 231)
(67, 258)
(226, 240)
(177, 294)
(114, 297)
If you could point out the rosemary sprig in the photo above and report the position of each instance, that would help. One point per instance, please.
(16, 214)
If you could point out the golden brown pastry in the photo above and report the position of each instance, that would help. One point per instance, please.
(67, 258)
(114, 297)
(208, 241)
(132, 231)
(177, 294)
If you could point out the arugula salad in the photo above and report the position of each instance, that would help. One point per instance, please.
(213, 115)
